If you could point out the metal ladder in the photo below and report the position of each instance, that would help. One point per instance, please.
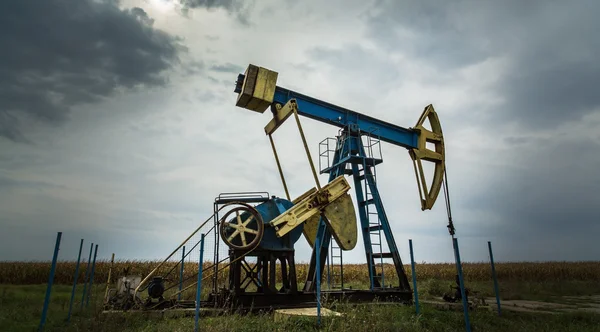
(377, 235)
(369, 178)
(335, 266)
(368, 175)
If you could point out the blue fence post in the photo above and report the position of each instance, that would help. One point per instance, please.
(87, 274)
(414, 275)
(318, 277)
(199, 283)
(494, 276)
(181, 273)
(50, 282)
(462, 284)
(75, 277)
(87, 300)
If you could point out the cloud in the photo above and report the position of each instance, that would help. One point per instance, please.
(552, 71)
(521, 128)
(9, 128)
(10, 182)
(237, 8)
(228, 68)
(60, 54)
(211, 4)
(515, 87)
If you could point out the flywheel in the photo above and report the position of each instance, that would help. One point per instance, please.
(242, 228)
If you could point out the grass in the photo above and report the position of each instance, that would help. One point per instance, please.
(22, 291)
(21, 306)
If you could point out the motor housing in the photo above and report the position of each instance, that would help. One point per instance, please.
(156, 288)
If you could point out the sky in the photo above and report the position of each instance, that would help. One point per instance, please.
(118, 122)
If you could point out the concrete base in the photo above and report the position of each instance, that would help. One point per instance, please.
(457, 306)
(167, 313)
(284, 314)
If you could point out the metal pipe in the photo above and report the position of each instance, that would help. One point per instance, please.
(181, 273)
(219, 262)
(329, 268)
(137, 289)
(87, 274)
(87, 301)
(75, 277)
(310, 161)
(318, 257)
(199, 283)
(50, 282)
(112, 262)
(462, 285)
(287, 193)
(496, 290)
(414, 275)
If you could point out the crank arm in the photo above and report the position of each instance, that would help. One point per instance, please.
(310, 204)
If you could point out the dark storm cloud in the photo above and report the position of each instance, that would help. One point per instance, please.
(194, 67)
(550, 180)
(237, 8)
(211, 4)
(9, 127)
(58, 54)
(227, 68)
(552, 73)
(538, 180)
(10, 182)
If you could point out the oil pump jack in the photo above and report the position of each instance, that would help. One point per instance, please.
(265, 228)
(327, 212)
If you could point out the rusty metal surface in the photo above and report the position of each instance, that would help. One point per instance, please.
(422, 153)
(341, 218)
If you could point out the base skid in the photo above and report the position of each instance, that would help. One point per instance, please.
(253, 302)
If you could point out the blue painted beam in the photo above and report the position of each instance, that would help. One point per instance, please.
(341, 117)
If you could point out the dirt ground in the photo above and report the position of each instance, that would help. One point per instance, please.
(557, 304)
(554, 305)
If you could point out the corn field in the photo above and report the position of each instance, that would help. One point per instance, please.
(27, 273)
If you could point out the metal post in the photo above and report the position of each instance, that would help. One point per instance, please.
(87, 274)
(329, 268)
(494, 276)
(112, 262)
(199, 283)
(87, 300)
(318, 276)
(285, 188)
(50, 282)
(462, 284)
(310, 161)
(75, 277)
(181, 273)
(414, 275)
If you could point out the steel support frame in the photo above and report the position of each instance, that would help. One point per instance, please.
(264, 274)
(324, 236)
(224, 198)
(352, 147)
